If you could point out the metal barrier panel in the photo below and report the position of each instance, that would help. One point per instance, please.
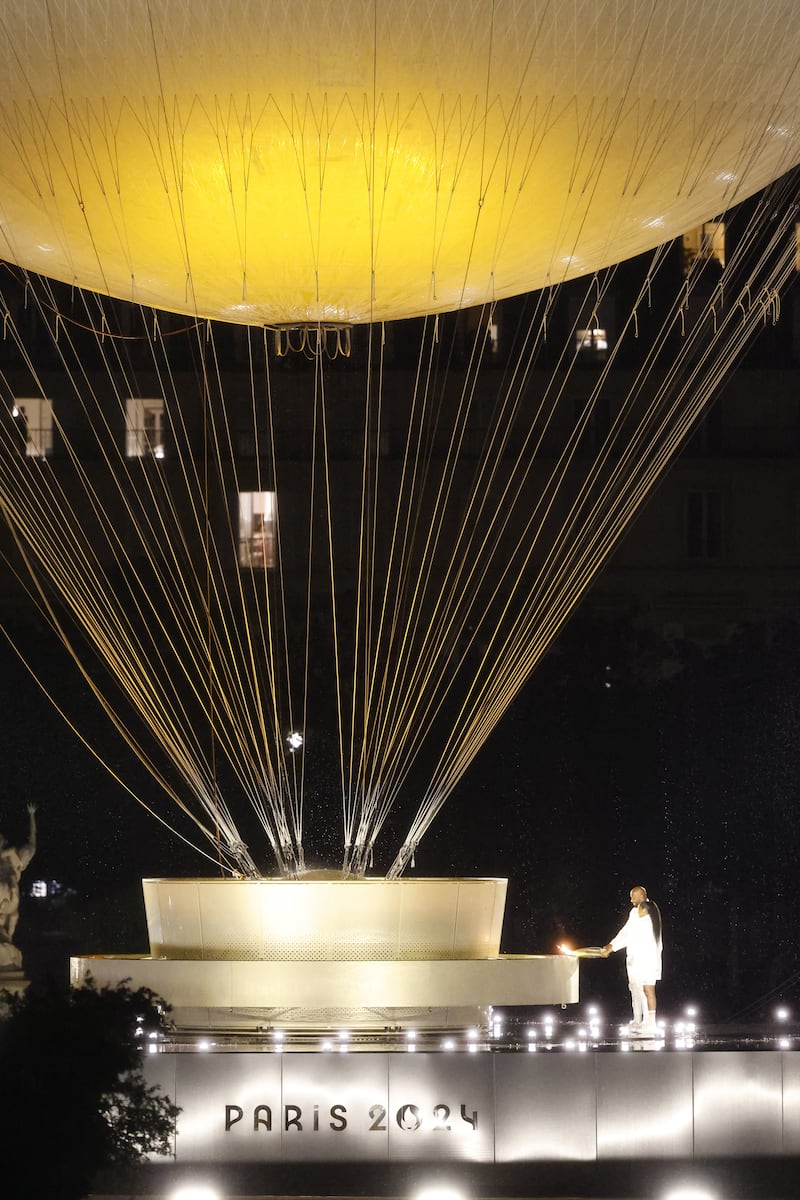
(333, 1109)
(738, 1108)
(232, 1107)
(441, 1107)
(546, 1107)
(504, 1108)
(644, 1106)
(791, 1103)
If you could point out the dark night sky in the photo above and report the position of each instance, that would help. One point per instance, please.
(603, 773)
(688, 785)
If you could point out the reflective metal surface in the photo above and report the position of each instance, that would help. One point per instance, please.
(738, 1108)
(644, 1105)
(370, 996)
(480, 1105)
(335, 1109)
(791, 1103)
(231, 1107)
(546, 1108)
(441, 1107)
(280, 920)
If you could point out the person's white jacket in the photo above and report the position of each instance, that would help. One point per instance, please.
(643, 949)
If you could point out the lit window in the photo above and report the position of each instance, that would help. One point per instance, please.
(591, 341)
(34, 420)
(39, 888)
(144, 428)
(705, 242)
(256, 529)
(704, 525)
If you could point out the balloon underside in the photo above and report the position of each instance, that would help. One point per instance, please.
(283, 164)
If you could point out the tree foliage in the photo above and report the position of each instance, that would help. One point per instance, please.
(73, 1098)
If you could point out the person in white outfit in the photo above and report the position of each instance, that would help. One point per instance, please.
(640, 937)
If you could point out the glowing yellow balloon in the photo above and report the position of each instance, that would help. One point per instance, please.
(292, 162)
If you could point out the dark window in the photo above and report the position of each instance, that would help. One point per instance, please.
(704, 525)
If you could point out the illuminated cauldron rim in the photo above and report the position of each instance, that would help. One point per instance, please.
(325, 917)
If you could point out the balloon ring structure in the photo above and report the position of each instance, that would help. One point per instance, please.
(304, 162)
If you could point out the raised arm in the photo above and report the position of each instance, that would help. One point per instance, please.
(27, 851)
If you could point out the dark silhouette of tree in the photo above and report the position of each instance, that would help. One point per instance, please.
(73, 1098)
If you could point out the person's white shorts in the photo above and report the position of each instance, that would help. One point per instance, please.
(647, 974)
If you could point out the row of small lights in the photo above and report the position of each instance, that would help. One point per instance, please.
(684, 1031)
(203, 1192)
(783, 1014)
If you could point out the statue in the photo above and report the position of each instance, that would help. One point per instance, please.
(13, 861)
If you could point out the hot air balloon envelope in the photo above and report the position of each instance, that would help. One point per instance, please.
(285, 163)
